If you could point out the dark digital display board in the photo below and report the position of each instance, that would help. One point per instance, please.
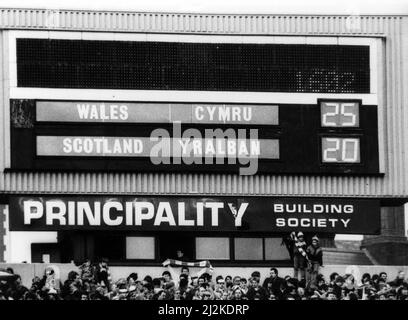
(143, 65)
(337, 137)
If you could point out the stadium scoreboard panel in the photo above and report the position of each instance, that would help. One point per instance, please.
(330, 136)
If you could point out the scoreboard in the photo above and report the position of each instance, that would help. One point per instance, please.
(329, 136)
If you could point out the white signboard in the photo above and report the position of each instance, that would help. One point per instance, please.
(66, 111)
(96, 146)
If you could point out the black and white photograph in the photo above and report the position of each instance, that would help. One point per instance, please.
(214, 151)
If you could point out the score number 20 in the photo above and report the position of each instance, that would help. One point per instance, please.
(341, 150)
(340, 115)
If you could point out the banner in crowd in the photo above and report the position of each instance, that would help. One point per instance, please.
(248, 214)
(179, 263)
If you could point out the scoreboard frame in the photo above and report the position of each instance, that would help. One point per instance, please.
(371, 98)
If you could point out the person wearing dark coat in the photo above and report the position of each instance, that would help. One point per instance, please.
(315, 255)
(102, 273)
(274, 284)
(256, 291)
(16, 290)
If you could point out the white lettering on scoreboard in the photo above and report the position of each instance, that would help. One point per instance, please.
(340, 150)
(340, 114)
(65, 111)
(158, 147)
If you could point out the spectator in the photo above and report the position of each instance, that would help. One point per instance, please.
(236, 281)
(228, 281)
(71, 286)
(383, 275)
(315, 255)
(157, 286)
(256, 275)
(180, 255)
(16, 290)
(237, 293)
(177, 295)
(244, 286)
(333, 277)
(274, 284)
(80, 287)
(299, 255)
(383, 287)
(399, 280)
(87, 270)
(366, 279)
(322, 286)
(50, 280)
(131, 281)
(256, 289)
(102, 274)
(349, 284)
(168, 281)
(331, 296)
(338, 287)
(402, 292)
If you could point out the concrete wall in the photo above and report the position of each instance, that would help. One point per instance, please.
(391, 250)
(123, 272)
(391, 246)
(20, 244)
(28, 271)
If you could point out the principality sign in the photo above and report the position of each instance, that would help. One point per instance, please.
(226, 214)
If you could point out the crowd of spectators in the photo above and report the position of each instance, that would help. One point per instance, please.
(94, 282)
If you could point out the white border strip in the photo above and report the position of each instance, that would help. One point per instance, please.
(182, 96)
(382, 107)
(6, 66)
(210, 38)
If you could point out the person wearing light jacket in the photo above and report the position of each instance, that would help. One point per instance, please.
(300, 257)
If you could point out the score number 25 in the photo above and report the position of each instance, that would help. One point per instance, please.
(339, 114)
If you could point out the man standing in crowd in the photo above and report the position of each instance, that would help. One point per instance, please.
(180, 255)
(274, 283)
(315, 255)
(300, 258)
